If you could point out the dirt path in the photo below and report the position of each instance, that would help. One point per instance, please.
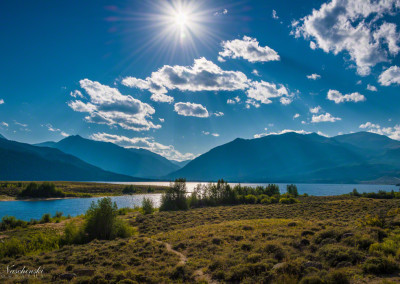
(199, 274)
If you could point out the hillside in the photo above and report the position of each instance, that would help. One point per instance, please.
(22, 161)
(108, 156)
(293, 157)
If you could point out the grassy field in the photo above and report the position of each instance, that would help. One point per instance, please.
(10, 190)
(318, 240)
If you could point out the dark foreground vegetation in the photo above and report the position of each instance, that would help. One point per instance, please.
(24, 190)
(221, 193)
(338, 239)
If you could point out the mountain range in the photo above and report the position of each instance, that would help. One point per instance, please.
(290, 157)
(20, 161)
(108, 156)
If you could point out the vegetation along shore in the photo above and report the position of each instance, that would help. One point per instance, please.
(217, 234)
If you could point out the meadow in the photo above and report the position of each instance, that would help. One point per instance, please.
(336, 239)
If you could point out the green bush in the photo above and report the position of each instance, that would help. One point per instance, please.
(288, 200)
(147, 206)
(46, 218)
(311, 280)
(130, 189)
(380, 265)
(10, 222)
(250, 199)
(102, 223)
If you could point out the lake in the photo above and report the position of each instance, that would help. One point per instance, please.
(27, 210)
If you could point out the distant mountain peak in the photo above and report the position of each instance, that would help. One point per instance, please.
(2, 137)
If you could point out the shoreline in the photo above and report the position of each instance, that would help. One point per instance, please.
(62, 198)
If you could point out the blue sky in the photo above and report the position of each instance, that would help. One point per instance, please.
(181, 77)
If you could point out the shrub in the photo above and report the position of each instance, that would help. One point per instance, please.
(174, 197)
(10, 222)
(335, 254)
(44, 190)
(288, 200)
(130, 189)
(102, 223)
(266, 200)
(380, 265)
(46, 218)
(250, 199)
(311, 280)
(147, 206)
(337, 277)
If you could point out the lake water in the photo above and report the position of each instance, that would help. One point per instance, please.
(27, 210)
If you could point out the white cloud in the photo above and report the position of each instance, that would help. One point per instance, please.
(76, 94)
(204, 75)
(248, 48)
(191, 109)
(218, 113)
(280, 132)
(250, 102)
(148, 143)
(391, 132)
(223, 12)
(390, 76)
(161, 119)
(313, 76)
(108, 106)
(161, 98)
(285, 101)
(255, 72)
(20, 124)
(53, 129)
(353, 27)
(234, 101)
(315, 109)
(263, 91)
(274, 15)
(4, 124)
(1, 101)
(327, 117)
(338, 98)
(371, 88)
(296, 115)
(208, 133)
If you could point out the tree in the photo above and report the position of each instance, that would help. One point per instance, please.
(174, 197)
(292, 190)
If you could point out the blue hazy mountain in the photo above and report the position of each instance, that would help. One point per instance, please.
(20, 161)
(2, 137)
(181, 164)
(293, 157)
(111, 157)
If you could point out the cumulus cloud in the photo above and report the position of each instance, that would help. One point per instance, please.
(280, 132)
(353, 27)
(148, 143)
(315, 109)
(313, 76)
(255, 72)
(218, 113)
(248, 48)
(371, 88)
(338, 97)
(5, 124)
(162, 98)
(390, 76)
(250, 102)
(263, 91)
(108, 106)
(327, 117)
(296, 116)
(1, 101)
(191, 109)
(391, 132)
(204, 75)
(234, 101)
(274, 15)
(76, 94)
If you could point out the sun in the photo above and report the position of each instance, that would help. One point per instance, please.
(181, 19)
